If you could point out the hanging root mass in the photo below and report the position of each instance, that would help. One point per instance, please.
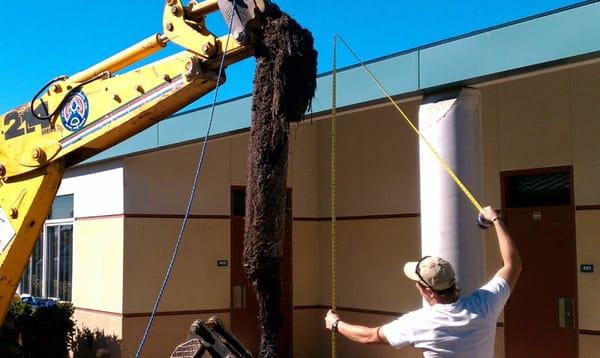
(284, 84)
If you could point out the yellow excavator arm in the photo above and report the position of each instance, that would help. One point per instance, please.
(76, 117)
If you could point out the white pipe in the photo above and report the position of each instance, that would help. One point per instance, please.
(452, 124)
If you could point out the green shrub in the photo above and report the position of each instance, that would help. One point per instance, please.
(88, 343)
(44, 331)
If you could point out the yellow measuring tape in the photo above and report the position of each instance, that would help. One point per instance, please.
(414, 128)
(333, 213)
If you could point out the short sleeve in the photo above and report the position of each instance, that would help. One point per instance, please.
(494, 295)
(399, 333)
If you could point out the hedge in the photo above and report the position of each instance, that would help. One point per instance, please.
(40, 328)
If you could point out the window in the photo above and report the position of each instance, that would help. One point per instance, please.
(540, 189)
(50, 269)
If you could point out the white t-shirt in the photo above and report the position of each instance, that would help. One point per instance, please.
(465, 328)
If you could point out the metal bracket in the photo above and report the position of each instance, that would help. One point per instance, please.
(211, 337)
(247, 14)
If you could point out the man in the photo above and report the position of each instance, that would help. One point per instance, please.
(451, 326)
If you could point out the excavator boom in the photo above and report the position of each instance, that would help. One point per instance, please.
(76, 117)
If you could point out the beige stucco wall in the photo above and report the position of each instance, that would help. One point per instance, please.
(160, 182)
(196, 282)
(310, 339)
(97, 235)
(376, 171)
(370, 255)
(98, 264)
(544, 120)
(586, 128)
(534, 122)
(111, 324)
(588, 284)
(377, 174)
(107, 329)
(549, 119)
(588, 346)
(305, 176)
(239, 154)
(586, 157)
(306, 263)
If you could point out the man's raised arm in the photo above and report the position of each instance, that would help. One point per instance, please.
(510, 255)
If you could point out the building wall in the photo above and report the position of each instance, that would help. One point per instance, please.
(157, 190)
(547, 119)
(97, 244)
(98, 265)
(585, 109)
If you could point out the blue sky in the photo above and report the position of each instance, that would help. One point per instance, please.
(48, 38)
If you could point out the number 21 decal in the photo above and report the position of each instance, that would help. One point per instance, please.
(21, 121)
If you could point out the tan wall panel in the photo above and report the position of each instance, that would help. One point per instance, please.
(586, 129)
(167, 332)
(239, 157)
(160, 182)
(304, 168)
(111, 324)
(370, 258)
(325, 263)
(490, 141)
(109, 327)
(588, 252)
(589, 346)
(310, 337)
(534, 120)
(377, 163)
(306, 262)
(196, 282)
(98, 264)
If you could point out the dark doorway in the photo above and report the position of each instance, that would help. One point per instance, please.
(540, 316)
(244, 306)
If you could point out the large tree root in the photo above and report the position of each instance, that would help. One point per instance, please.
(284, 84)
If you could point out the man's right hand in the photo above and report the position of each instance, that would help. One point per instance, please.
(490, 213)
(330, 318)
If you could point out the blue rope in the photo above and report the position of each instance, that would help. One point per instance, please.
(191, 198)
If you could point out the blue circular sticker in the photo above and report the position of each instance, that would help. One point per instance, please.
(75, 111)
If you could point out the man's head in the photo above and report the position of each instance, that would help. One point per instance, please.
(435, 279)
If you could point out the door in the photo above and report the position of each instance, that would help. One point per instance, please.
(540, 316)
(244, 305)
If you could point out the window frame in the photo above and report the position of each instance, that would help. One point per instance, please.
(57, 223)
(44, 241)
